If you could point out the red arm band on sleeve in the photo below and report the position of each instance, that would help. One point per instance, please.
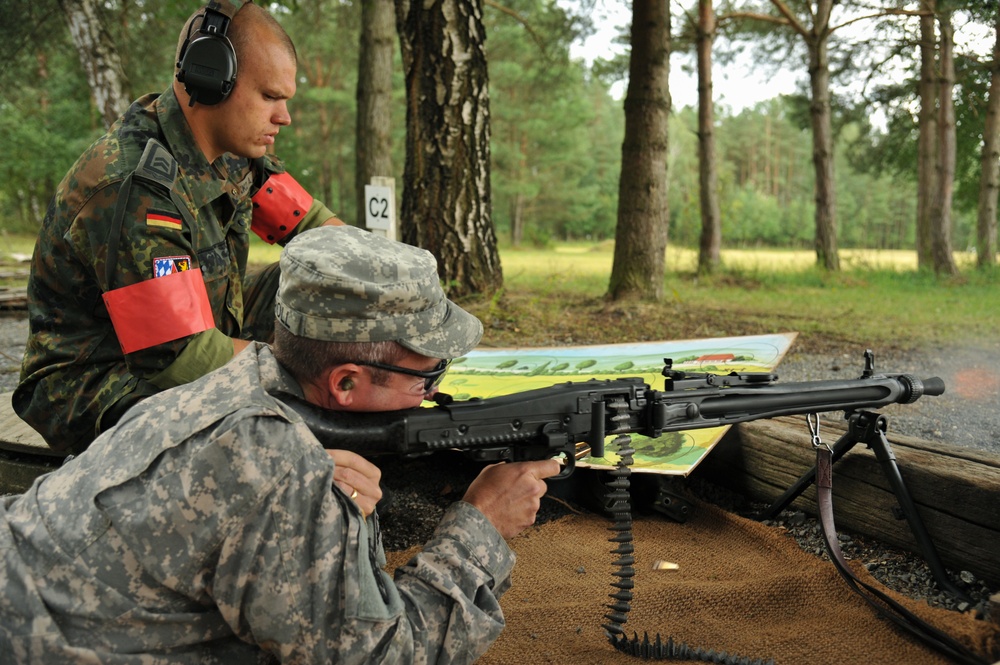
(278, 207)
(160, 310)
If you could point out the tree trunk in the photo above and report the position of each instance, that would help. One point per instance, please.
(989, 184)
(710, 244)
(519, 171)
(373, 138)
(819, 112)
(927, 147)
(641, 231)
(940, 232)
(99, 58)
(447, 199)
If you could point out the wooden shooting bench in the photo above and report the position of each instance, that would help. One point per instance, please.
(12, 297)
(23, 453)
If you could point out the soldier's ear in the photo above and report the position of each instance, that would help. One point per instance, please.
(342, 382)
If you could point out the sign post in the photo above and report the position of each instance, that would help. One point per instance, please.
(380, 206)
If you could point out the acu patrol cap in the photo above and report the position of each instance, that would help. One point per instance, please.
(345, 284)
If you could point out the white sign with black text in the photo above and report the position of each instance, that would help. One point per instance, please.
(379, 208)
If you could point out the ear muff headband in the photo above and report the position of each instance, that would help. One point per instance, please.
(207, 64)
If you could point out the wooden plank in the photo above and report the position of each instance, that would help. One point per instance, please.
(17, 436)
(956, 490)
(13, 297)
(24, 455)
(18, 472)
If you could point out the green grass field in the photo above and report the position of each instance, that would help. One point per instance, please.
(878, 298)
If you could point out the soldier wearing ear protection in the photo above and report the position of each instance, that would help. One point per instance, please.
(139, 280)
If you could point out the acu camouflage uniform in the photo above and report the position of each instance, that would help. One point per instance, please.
(75, 380)
(203, 529)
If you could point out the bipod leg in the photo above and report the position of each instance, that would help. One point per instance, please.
(874, 437)
(839, 449)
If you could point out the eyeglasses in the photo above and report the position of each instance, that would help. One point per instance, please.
(431, 377)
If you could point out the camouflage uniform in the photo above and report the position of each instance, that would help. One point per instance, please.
(75, 379)
(203, 529)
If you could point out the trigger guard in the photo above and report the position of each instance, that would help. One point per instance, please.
(567, 470)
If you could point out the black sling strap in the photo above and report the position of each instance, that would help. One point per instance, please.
(884, 604)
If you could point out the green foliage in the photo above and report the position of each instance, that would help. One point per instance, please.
(766, 184)
(890, 151)
(555, 133)
(46, 119)
(319, 146)
(556, 130)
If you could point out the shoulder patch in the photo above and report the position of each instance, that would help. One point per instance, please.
(165, 220)
(157, 164)
(168, 265)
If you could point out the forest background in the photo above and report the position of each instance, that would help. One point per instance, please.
(556, 125)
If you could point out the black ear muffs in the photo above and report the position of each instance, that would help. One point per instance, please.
(207, 64)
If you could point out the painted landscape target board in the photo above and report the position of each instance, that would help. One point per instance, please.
(493, 372)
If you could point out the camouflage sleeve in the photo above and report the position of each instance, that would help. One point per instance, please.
(204, 353)
(455, 584)
(317, 214)
(301, 574)
(157, 238)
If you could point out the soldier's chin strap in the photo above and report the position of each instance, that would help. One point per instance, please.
(883, 604)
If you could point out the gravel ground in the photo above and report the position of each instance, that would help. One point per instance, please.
(965, 415)
(418, 490)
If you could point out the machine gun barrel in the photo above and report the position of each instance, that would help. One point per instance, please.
(694, 408)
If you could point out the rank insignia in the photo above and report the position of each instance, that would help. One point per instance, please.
(164, 220)
(168, 265)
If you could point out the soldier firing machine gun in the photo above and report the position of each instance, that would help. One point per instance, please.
(571, 420)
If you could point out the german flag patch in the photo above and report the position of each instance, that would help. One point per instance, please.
(164, 220)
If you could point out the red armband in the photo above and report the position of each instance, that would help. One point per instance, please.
(278, 207)
(160, 310)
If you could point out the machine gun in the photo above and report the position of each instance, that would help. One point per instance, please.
(573, 419)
